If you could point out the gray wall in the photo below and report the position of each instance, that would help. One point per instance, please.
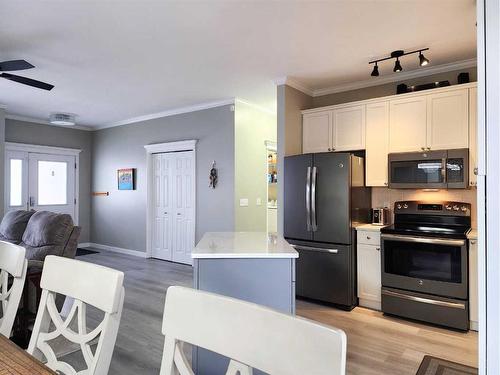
(120, 219)
(388, 88)
(49, 135)
(289, 104)
(2, 162)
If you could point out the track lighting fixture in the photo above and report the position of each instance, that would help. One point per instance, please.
(397, 66)
(423, 61)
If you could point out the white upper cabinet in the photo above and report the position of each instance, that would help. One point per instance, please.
(317, 132)
(349, 128)
(473, 136)
(377, 143)
(408, 124)
(448, 120)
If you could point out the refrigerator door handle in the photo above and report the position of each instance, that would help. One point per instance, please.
(308, 199)
(313, 199)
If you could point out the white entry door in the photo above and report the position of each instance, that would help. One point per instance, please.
(40, 182)
(174, 223)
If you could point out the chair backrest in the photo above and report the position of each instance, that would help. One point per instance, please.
(13, 263)
(86, 284)
(252, 336)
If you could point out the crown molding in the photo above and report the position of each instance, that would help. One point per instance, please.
(170, 112)
(295, 84)
(396, 77)
(44, 122)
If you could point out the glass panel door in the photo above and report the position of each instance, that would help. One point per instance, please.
(52, 183)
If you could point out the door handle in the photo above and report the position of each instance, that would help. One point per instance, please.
(32, 201)
(308, 199)
(318, 249)
(313, 199)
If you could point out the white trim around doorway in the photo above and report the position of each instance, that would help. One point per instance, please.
(40, 149)
(158, 148)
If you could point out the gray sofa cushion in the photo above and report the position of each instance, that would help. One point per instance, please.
(47, 229)
(14, 224)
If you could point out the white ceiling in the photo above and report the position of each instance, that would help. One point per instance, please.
(115, 60)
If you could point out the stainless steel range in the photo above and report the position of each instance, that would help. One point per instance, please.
(424, 263)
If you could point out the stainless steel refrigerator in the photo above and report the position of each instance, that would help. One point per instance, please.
(324, 198)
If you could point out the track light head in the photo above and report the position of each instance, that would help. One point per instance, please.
(423, 60)
(375, 71)
(397, 66)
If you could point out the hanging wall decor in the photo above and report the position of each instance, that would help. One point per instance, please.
(126, 179)
(213, 176)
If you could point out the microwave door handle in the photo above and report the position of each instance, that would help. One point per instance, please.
(308, 199)
(313, 199)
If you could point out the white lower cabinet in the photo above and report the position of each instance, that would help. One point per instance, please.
(369, 269)
(473, 285)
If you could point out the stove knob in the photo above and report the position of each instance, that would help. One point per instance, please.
(464, 208)
(455, 207)
(398, 206)
(405, 205)
(448, 207)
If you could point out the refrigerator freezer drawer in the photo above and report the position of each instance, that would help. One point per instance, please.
(323, 273)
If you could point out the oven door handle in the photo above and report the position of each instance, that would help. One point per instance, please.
(435, 241)
(429, 301)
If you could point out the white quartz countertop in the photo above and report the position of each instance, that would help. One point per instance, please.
(370, 227)
(243, 245)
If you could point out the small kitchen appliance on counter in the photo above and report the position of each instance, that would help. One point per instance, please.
(381, 216)
(425, 263)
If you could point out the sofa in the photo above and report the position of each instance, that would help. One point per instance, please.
(41, 233)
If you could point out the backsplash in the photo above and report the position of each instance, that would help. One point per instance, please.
(384, 197)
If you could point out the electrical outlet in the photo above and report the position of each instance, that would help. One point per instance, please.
(258, 202)
(243, 202)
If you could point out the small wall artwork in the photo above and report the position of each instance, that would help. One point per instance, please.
(126, 179)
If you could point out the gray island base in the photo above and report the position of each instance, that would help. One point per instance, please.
(253, 266)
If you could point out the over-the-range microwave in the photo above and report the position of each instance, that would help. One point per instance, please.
(444, 169)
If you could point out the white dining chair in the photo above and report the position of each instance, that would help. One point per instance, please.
(88, 285)
(13, 266)
(252, 336)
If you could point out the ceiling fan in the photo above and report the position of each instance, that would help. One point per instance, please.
(9, 66)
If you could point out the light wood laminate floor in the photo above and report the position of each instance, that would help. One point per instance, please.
(376, 344)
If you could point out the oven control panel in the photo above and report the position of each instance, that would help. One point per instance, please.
(448, 208)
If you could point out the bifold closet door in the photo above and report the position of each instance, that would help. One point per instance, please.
(174, 187)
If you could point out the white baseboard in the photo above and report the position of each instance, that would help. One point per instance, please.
(114, 249)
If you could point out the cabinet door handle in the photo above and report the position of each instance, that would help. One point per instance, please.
(428, 148)
(377, 248)
(422, 148)
(368, 238)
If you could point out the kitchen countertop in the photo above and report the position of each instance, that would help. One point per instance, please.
(370, 227)
(472, 235)
(243, 245)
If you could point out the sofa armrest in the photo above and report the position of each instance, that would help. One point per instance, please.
(72, 243)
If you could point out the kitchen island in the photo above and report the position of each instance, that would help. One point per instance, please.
(257, 267)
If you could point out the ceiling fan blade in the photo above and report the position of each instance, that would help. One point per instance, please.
(27, 81)
(8, 66)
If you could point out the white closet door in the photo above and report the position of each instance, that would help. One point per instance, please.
(184, 207)
(52, 183)
(162, 239)
(174, 187)
(16, 180)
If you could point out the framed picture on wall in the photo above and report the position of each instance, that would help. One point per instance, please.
(126, 179)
